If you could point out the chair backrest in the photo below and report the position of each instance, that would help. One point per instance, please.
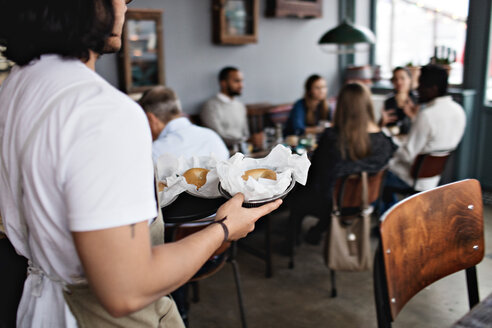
(429, 165)
(425, 238)
(348, 189)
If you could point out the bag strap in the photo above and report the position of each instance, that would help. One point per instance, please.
(365, 190)
(338, 201)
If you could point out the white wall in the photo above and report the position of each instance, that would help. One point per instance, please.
(275, 68)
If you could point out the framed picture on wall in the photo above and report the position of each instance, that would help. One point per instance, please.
(142, 54)
(294, 8)
(235, 22)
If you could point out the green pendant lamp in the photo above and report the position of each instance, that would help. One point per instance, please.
(347, 34)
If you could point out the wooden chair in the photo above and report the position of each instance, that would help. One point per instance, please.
(348, 195)
(225, 253)
(425, 238)
(348, 190)
(426, 166)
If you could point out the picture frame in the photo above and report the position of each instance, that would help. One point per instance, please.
(294, 8)
(235, 22)
(142, 52)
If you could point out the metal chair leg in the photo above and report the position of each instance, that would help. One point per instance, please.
(472, 285)
(232, 260)
(292, 240)
(333, 284)
(383, 311)
(268, 248)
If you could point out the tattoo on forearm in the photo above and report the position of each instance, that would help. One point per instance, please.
(132, 226)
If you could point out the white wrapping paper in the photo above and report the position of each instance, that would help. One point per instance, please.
(170, 170)
(288, 166)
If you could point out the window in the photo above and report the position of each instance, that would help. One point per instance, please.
(488, 95)
(413, 31)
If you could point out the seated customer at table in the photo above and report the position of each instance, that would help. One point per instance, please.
(393, 113)
(309, 110)
(174, 134)
(437, 126)
(223, 113)
(354, 144)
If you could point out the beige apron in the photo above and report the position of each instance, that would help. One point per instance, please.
(86, 309)
(89, 313)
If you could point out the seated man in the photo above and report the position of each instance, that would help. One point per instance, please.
(438, 126)
(223, 113)
(172, 133)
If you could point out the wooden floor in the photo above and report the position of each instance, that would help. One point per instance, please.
(301, 297)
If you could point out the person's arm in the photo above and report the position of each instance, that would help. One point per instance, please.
(411, 109)
(126, 273)
(388, 116)
(322, 171)
(417, 139)
(298, 120)
(211, 119)
(388, 112)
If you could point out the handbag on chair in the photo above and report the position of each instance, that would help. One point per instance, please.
(347, 245)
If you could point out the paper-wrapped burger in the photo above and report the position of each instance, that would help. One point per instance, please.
(264, 178)
(195, 175)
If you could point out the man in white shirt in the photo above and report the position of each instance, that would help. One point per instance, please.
(437, 126)
(76, 172)
(174, 134)
(223, 113)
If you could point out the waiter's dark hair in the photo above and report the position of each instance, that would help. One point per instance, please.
(70, 28)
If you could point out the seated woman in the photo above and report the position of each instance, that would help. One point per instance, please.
(393, 113)
(354, 144)
(309, 110)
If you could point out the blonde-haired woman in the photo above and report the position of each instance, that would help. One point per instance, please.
(353, 144)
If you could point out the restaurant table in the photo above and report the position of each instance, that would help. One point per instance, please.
(479, 317)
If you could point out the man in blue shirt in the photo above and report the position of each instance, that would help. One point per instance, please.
(174, 134)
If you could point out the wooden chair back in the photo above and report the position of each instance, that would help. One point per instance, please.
(429, 165)
(348, 189)
(425, 238)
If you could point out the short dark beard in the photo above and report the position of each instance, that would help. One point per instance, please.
(233, 93)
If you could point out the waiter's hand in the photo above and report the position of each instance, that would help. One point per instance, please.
(240, 221)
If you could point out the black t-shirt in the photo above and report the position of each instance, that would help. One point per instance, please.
(403, 121)
(328, 164)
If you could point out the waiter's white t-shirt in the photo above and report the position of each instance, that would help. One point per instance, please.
(89, 167)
